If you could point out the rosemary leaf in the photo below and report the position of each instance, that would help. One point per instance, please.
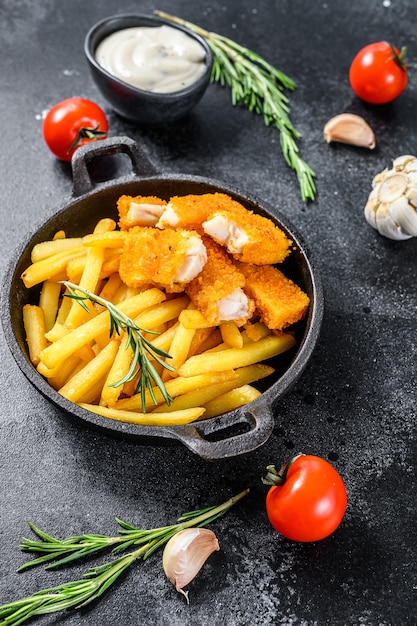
(97, 580)
(258, 86)
(142, 348)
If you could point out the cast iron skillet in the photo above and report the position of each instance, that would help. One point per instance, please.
(237, 432)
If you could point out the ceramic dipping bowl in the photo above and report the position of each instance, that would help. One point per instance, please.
(137, 105)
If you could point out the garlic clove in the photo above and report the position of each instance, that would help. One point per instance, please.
(393, 187)
(371, 209)
(404, 215)
(387, 226)
(403, 162)
(412, 194)
(185, 554)
(351, 129)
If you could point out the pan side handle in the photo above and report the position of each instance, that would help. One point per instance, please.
(82, 181)
(212, 440)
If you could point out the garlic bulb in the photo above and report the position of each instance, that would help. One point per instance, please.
(185, 554)
(392, 204)
(349, 128)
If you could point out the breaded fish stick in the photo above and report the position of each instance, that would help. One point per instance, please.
(167, 258)
(278, 300)
(190, 211)
(249, 237)
(139, 211)
(218, 290)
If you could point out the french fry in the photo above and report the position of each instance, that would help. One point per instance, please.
(46, 249)
(176, 387)
(121, 294)
(200, 397)
(60, 373)
(119, 368)
(90, 276)
(254, 352)
(77, 388)
(231, 335)
(199, 337)
(231, 400)
(261, 332)
(110, 265)
(112, 239)
(211, 342)
(70, 367)
(57, 352)
(34, 324)
(75, 268)
(147, 419)
(111, 262)
(57, 332)
(192, 318)
(94, 391)
(105, 225)
(110, 288)
(49, 302)
(64, 309)
(179, 349)
(160, 313)
(129, 388)
(49, 268)
(255, 332)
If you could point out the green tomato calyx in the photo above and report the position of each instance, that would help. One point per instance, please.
(399, 59)
(87, 133)
(276, 478)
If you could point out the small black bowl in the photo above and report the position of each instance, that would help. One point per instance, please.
(135, 104)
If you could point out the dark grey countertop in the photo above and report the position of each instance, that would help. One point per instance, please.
(355, 402)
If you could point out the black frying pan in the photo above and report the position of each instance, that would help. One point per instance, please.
(234, 433)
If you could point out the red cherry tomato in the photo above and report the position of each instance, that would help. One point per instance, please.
(311, 501)
(72, 123)
(378, 73)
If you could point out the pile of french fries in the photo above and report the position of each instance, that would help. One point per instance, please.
(214, 367)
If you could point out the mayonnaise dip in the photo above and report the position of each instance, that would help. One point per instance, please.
(161, 59)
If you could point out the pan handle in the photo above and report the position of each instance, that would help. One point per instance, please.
(212, 440)
(82, 181)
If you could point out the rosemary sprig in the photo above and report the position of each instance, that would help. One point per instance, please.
(96, 580)
(141, 347)
(257, 85)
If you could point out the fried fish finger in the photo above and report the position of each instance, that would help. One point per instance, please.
(249, 237)
(217, 291)
(278, 300)
(168, 259)
(139, 211)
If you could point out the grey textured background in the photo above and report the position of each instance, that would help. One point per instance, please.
(354, 404)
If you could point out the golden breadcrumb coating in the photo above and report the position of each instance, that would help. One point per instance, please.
(218, 280)
(153, 256)
(192, 210)
(126, 206)
(278, 300)
(249, 237)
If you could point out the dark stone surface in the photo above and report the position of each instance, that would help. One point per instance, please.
(355, 403)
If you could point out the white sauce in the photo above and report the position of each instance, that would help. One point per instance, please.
(160, 59)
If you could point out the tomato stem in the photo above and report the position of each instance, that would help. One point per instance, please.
(87, 133)
(276, 478)
(399, 59)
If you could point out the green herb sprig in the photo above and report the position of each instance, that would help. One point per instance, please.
(143, 350)
(257, 85)
(97, 580)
